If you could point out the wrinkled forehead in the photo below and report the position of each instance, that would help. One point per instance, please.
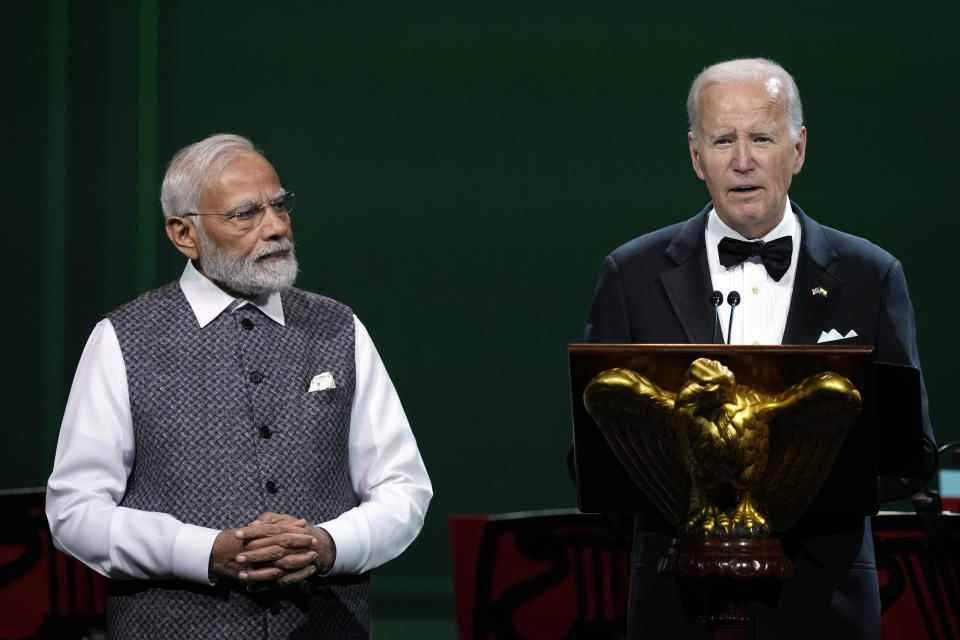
(227, 162)
(763, 99)
(247, 177)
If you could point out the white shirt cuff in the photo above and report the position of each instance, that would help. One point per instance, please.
(353, 544)
(191, 553)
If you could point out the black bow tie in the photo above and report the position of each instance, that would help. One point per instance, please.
(775, 254)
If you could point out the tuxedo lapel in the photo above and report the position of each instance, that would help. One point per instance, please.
(688, 285)
(811, 308)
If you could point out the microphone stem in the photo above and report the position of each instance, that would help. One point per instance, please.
(730, 324)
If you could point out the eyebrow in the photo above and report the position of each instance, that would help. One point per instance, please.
(769, 133)
(240, 204)
(713, 137)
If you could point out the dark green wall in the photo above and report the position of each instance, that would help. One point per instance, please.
(461, 169)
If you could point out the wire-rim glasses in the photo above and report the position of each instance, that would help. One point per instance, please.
(249, 216)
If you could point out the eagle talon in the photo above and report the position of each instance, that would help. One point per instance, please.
(708, 520)
(748, 515)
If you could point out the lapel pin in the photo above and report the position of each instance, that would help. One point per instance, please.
(818, 291)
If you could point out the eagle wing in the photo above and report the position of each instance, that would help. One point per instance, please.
(808, 424)
(634, 415)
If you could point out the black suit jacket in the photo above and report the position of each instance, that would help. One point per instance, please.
(656, 289)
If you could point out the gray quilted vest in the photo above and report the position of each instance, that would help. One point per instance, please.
(225, 430)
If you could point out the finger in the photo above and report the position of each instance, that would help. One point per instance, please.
(251, 532)
(298, 576)
(264, 574)
(267, 554)
(296, 562)
(286, 580)
(288, 540)
(269, 517)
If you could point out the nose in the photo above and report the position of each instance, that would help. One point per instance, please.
(742, 156)
(274, 225)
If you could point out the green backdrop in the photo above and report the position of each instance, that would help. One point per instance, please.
(461, 169)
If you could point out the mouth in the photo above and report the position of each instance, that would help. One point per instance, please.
(744, 189)
(274, 256)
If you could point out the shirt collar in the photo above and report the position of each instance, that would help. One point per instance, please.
(208, 300)
(717, 229)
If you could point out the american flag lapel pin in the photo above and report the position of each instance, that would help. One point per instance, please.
(818, 291)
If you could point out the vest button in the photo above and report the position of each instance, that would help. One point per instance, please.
(271, 486)
(256, 377)
(265, 432)
(247, 324)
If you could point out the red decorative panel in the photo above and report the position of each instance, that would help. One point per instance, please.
(43, 593)
(564, 575)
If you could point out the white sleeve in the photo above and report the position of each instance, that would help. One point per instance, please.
(386, 471)
(95, 453)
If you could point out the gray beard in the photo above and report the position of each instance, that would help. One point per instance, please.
(243, 274)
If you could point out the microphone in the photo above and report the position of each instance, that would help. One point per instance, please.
(716, 299)
(733, 299)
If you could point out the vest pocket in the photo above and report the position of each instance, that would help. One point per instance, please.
(324, 398)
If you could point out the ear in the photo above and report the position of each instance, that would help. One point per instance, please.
(801, 151)
(183, 235)
(694, 155)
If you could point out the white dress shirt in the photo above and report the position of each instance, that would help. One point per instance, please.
(761, 316)
(96, 451)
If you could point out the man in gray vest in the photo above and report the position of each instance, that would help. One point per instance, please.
(233, 451)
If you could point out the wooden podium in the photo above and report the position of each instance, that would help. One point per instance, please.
(720, 576)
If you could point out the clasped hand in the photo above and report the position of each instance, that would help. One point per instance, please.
(273, 551)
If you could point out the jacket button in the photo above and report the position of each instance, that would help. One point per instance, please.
(265, 432)
(256, 377)
(271, 486)
(247, 324)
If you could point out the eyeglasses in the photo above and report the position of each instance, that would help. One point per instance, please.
(251, 216)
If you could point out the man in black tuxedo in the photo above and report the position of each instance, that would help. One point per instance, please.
(800, 283)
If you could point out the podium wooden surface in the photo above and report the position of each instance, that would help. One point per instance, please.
(723, 576)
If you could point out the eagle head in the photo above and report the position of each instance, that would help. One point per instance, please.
(707, 384)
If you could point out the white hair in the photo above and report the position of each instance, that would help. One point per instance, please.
(193, 168)
(748, 71)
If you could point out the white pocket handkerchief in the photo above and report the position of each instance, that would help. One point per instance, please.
(833, 334)
(322, 382)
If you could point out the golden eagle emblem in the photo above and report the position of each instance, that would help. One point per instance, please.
(722, 459)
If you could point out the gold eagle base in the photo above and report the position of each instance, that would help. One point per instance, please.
(721, 577)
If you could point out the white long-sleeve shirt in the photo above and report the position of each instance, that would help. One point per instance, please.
(761, 316)
(96, 451)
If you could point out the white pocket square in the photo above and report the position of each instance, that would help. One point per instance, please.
(322, 382)
(833, 334)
